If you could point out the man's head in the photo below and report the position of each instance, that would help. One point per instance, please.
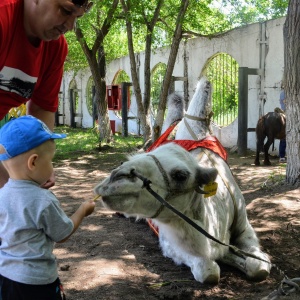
(23, 134)
(87, 5)
(48, 20)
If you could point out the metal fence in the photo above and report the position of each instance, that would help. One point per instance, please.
(222, 71)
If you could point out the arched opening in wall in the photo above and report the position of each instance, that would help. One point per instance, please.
(90, 93)
(222, 71)
(75, 119)
(157, 77)
(121, 76)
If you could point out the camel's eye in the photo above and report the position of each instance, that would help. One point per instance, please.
(119, 174)
(180, 175)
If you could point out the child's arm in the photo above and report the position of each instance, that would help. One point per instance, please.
(85, 209)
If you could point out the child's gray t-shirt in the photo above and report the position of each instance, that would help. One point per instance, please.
(31, 220)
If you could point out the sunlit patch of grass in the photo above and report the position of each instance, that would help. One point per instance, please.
(81, 142)
(276, 177)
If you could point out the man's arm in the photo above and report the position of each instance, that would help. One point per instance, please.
(47, 117)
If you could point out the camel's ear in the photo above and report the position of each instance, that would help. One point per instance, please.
(205, 175)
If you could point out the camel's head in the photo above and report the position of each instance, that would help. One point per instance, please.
(173, 172)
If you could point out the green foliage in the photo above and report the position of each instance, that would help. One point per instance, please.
(276, 177)
(202, 18)
(250, 11)
(115, 44)
(89, 95)
(122, 76)
(75, 60)
(80, 142)
(157, 78)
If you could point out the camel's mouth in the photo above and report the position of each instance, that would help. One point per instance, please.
(119, 197)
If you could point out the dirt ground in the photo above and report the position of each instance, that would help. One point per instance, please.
(112, 257)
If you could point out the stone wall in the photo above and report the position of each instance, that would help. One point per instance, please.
(259, 45)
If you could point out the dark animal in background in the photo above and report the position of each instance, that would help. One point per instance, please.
(270, 126)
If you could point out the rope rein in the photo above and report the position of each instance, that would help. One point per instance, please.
(286, 287)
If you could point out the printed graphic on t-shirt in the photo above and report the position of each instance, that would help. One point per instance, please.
(16, 81)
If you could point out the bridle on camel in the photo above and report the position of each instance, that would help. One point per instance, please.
(164, 203)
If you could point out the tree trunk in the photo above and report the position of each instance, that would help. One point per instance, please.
(148, 52)
(292, 89)
(169, 72)
(105, 132)
(142, 113)
(98, 70)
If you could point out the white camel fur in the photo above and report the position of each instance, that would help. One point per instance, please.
(222, 215)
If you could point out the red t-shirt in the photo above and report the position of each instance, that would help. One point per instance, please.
(27, 72)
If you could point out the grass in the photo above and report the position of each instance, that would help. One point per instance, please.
(81, 142)
(276, 177)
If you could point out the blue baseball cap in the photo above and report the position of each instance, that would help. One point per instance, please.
(23, 134)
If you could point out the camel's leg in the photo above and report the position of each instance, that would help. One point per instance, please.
(248, 242)
(255, 269)
(203, 269)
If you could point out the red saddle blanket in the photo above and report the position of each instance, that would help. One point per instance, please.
(210, 143)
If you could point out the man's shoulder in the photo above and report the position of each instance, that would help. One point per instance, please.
(10, 15)
(10, 4)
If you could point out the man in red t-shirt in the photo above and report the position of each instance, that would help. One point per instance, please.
(32, 54)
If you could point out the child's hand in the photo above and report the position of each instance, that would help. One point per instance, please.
(84, 210)
(88, 207)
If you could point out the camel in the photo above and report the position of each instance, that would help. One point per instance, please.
(181, 176)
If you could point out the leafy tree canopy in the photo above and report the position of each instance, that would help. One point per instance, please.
(242, 12)
(203, 18)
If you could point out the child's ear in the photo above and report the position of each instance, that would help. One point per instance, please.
(31, 162)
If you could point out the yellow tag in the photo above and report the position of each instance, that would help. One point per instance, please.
(211, 189)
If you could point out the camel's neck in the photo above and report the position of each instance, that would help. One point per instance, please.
(200, 105)
(195, 125)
